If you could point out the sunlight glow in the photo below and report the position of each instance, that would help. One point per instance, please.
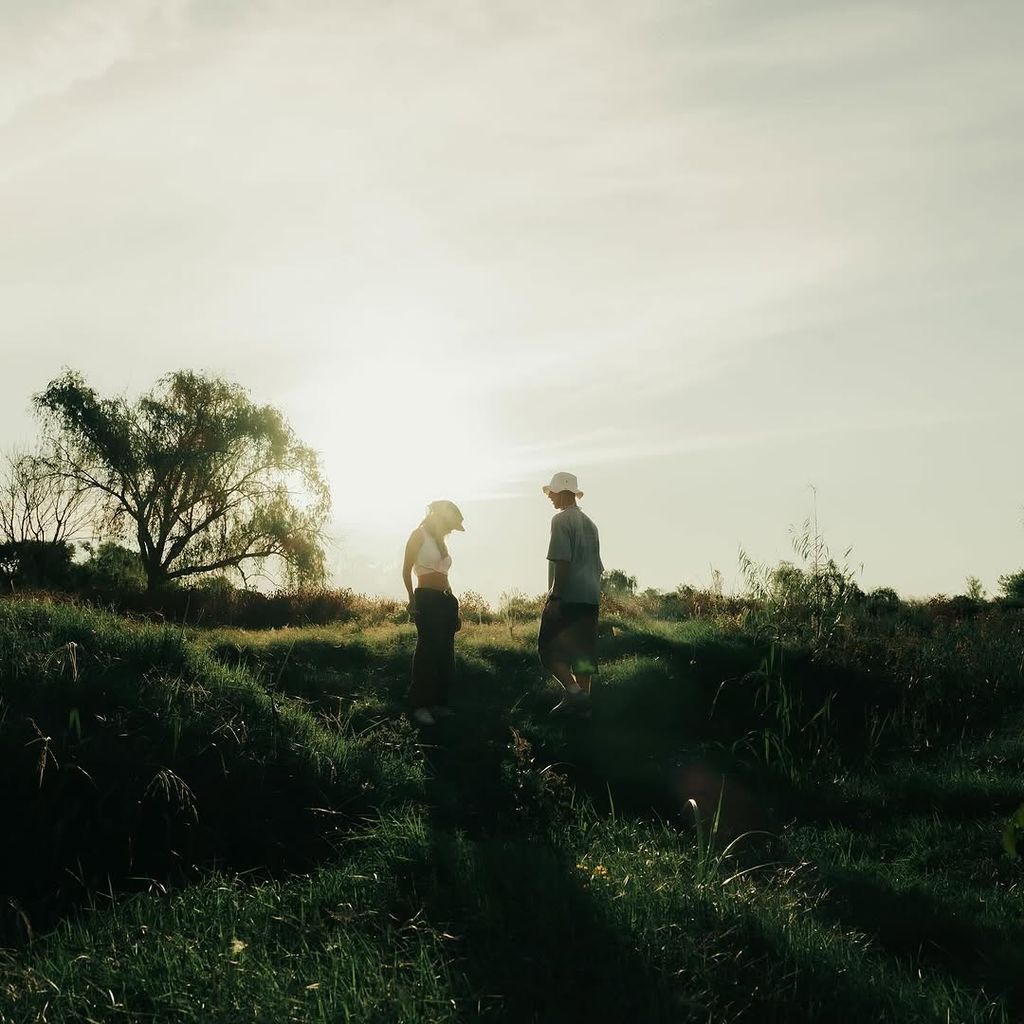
(404, 434)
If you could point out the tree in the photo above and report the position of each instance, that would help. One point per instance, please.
(39, 512)
(202, 479)
(615, 581)
(111, 565)
(1012, 585)
(38, 505)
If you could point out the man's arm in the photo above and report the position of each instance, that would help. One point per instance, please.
(559, 555)
(560, 580)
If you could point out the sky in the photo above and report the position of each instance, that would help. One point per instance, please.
(726, 260)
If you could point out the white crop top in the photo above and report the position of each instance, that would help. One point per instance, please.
(429, 558)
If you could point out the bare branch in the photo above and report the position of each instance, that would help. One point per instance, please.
(39, 505)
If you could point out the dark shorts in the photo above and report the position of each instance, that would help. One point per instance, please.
(568, 633)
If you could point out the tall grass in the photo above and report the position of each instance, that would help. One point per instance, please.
(131, 756)
(332, 864)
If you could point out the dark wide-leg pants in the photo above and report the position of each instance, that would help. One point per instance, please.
(433, 664)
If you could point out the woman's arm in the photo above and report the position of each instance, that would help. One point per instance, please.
(412, 547)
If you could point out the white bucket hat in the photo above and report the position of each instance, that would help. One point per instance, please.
(563, 482)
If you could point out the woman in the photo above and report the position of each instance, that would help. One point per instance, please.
(434, 609)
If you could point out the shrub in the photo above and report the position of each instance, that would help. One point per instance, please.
(800, 603)
(37, 563)
(515, 607)
(1012, 585)
(807, 602)
(474, 608)
(623, 605)
(112, 565)
(615, 581)
(882, 601)
(689, 602)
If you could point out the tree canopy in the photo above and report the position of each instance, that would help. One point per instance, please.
(194, 472)
(616, 581)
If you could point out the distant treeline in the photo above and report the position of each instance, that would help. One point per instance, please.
(783, 599)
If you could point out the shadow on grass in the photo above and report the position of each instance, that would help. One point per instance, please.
(931, 930)
(533, 945)
(666, 707)
(651, 734)
(639, 753)
(768, 969)
(898, 793)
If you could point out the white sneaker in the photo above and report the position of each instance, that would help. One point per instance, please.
(422, 716)
(572, 702)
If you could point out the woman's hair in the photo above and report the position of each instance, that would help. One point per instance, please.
(443, 505)
(439, 508)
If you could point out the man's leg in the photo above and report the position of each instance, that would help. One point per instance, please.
(550, 644)
(562, 671)
(583, 640)
(576, 698)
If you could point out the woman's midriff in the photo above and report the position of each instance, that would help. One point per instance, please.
(433, 581)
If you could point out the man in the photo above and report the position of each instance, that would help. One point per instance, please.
(568, 627)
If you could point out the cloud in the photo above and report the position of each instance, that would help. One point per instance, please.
(49, 46)
(598, 232)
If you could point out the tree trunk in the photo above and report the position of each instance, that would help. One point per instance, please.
(156, 576)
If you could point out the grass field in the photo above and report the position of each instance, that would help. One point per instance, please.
(217, 825)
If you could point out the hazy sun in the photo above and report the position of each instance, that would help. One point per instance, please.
(402, 436)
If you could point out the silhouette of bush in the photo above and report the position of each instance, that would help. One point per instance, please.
(515, 607)
(963, 605)
(882, 601)
(217, 603)
(113, 566)
(622, 603)
(37, 563)
(615, 581)
(689, 602)
(474, 607)
(1012, 586)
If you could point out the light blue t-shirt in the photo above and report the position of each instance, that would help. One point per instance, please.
(574, 539)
